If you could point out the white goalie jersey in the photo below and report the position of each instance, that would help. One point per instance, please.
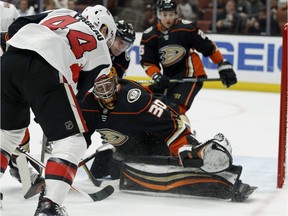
(67, 42)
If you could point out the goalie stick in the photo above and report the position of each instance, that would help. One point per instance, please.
(184, 80)
(95, 181)
(97, 196)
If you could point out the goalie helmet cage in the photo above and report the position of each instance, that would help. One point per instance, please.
(283, 127)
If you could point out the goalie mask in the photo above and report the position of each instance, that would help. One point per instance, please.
(100, 16)
(105, 86)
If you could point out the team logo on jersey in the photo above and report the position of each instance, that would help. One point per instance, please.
(113, 137)
(69, 125)
(133, 95)
(171, 54)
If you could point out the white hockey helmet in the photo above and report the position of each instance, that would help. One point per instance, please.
(100, 16)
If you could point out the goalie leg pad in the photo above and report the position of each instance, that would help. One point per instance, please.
(154, 179)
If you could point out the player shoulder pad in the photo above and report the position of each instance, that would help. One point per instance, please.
(186, 24)
(137, 97)
(148, 33)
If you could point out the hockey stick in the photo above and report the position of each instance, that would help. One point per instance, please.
(184, 80)
(97, 196)
(44, 141)
(95, 181)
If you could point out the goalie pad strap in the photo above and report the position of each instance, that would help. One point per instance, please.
(160, 160)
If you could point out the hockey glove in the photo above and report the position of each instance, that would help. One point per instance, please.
(188, 158)
(227, 73)
(161, 81)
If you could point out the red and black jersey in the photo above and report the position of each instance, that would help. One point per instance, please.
(175, 48)
(136, 115)
(121, 63)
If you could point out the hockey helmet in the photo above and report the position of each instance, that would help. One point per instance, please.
(125, 31)
(166, 5)
(105, 86)
(100, 16)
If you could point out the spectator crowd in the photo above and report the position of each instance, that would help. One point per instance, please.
(232, 16)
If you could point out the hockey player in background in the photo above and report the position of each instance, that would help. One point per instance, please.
(125, 38)
(172, 45)
(61, 51)
(137, 123)
(9, 13)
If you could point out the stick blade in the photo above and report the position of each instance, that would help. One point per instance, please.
(103, 194)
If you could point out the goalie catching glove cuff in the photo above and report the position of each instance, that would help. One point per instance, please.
(161, 81)
(227, 73)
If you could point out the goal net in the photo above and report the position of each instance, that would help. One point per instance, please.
(283, 112)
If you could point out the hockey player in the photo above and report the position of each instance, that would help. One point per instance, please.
(172, 45)
(61, 51)
(137, 123)
(125, 37)
(8, 14)
(143, 114)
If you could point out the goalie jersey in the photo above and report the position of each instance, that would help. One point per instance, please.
(136, 115)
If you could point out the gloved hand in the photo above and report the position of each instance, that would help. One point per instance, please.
(227, 73)
(161, 81)
(188, 158)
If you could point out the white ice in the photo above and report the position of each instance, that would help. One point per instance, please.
(250, 120)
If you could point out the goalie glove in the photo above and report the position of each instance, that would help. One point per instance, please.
(213, 156)
(189, 158)
(161, 81)
(227, 73)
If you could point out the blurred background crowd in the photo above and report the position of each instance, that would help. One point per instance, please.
(252, 17)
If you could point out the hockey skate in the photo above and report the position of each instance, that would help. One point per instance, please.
(47, 207)
(35, 177)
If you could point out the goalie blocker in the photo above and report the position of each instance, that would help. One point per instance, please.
(162, 175)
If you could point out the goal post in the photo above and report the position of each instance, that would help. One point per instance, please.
(283, 111)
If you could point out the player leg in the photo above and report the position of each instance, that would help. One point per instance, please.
(183, 94)
(56, 110)
(35, 177)
(15, 113)
(64, 126)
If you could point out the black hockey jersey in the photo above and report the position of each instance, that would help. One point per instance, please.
(175, 48)
(121, 63)
(137, 114)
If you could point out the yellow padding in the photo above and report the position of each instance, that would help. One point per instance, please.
(242, 86)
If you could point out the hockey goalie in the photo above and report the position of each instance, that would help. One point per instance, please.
(153, 149)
